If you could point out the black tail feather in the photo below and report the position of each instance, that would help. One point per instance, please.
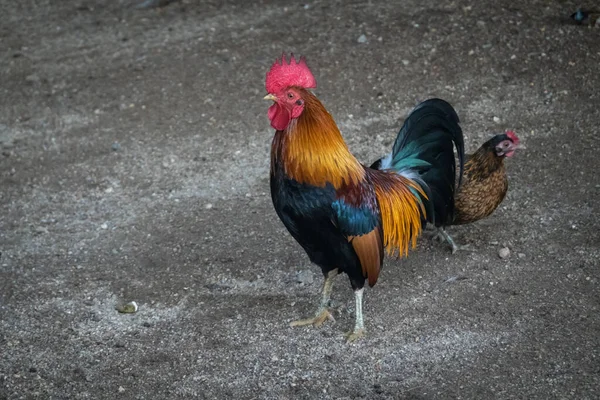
(425, 145)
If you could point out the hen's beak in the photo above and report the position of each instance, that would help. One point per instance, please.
(270, 97)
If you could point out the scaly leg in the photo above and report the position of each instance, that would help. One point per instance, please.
(359, 326)
(323, 310)
(443, 235)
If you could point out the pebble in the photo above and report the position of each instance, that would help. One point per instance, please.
(115, 146)
(496, 120)
(208, 206)
(32, 78)
(104, 226)
(40, 230)
(455, 279)
(362, 38)
(503, 252)
(129, 308)
(304, 277)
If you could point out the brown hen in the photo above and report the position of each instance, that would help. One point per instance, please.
(484, 184)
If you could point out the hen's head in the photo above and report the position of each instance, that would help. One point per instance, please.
(284, 83)
(505, 144)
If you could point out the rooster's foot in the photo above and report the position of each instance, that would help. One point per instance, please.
(354, 335)
(317, 321)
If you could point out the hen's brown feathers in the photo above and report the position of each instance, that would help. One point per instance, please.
(483, 187)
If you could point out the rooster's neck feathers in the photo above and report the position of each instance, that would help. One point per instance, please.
(312, 151)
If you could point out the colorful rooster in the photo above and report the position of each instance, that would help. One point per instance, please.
(342, 213)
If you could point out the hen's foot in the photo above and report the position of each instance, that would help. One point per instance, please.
(443, 236)
(463, 247)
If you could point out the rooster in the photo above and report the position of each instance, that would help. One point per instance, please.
(484, 185)
(342, 213)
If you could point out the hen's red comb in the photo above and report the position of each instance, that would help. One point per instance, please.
(283, 74)
(511, 135)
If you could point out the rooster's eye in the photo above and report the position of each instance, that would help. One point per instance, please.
(291, 95)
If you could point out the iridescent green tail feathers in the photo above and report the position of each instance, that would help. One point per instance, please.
(424, 152)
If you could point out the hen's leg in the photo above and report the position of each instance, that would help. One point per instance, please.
(443, 235)
(359, 326)
(323, 310)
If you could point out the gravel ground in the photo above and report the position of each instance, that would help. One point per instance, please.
(134, 167)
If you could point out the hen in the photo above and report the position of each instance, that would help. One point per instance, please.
(484, 184)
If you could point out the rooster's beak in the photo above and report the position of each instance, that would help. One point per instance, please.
(270, 97)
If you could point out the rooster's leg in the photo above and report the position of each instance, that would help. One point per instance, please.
(323, 310)
(443, 235)
(359, 326)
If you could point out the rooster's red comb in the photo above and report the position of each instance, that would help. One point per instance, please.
(283, 75)
(512, 136)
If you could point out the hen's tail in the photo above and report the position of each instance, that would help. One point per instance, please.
(424, 152)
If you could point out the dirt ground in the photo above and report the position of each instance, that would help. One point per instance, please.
(134, 166)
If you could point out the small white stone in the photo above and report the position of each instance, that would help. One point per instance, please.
(208, 206)
(104, 226)
(504, 252)
(496, 120)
